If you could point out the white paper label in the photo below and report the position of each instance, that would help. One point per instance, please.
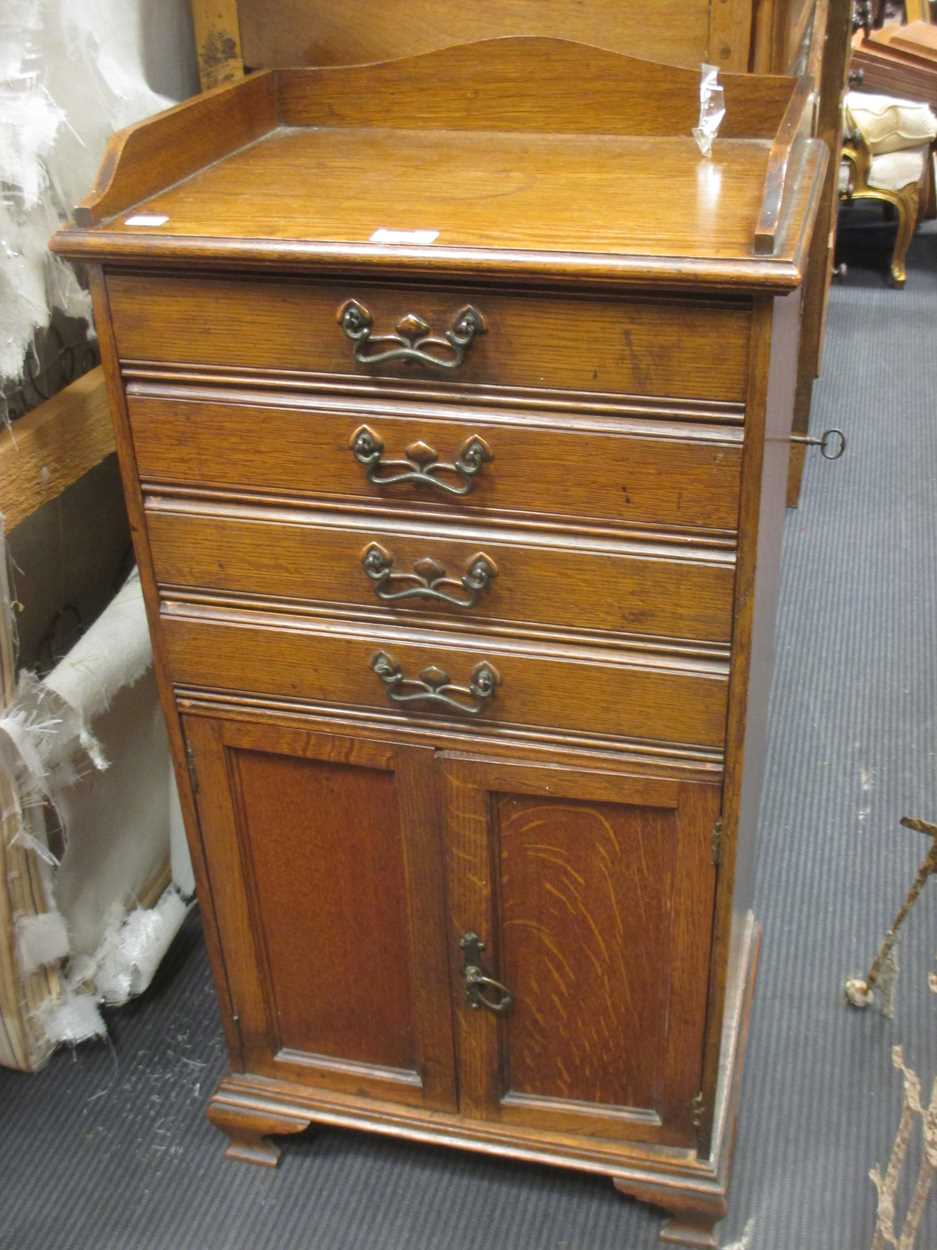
(146, 219)
(419, 238)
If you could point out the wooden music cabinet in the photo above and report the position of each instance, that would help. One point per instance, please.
(453, 400)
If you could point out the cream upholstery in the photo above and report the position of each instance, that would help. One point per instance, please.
(888, 124)
(891, 171)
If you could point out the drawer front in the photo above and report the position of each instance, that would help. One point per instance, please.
(465, 574)
(638, 472)
(682, 349)
(467, 681)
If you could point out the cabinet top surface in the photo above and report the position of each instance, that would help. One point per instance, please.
(519, 158)
(553, 193)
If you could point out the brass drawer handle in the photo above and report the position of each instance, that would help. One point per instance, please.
(428, 579)
(411, 338)
(422, 463)
(433, 686)
(476, 982)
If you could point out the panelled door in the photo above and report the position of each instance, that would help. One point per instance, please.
(325, 867)
(581, 910)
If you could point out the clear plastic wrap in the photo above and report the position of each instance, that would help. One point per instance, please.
(712, 109)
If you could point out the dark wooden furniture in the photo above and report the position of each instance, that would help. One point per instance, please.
(460, 555)
(898, 61)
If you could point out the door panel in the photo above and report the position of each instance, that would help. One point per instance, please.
(324, 841)
(341, 977)
(593, 893)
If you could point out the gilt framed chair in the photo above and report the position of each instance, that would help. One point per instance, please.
(885, 157)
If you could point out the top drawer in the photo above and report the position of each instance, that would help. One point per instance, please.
(680, 349)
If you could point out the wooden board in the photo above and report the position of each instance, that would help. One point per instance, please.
(53, 446)
(217, 42)
(297, 32)
(916, 39)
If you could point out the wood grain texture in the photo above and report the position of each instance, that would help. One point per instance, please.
(499, 85)
(631, 336)
(53, 446)
(320, 840)
(892, 71)
(787, 149)
(723, 32)
(621, 588)
(297, 34)
(626, 347)
(575, 898)
(217, 41)
(582, 194)
(757, 583)
(248, 1133)
(689, 1179)
(518, 193)
(635, 473)
(587, 690)
(154, 154)
(326, 856)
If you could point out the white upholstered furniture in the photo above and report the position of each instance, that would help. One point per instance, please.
(887, 148)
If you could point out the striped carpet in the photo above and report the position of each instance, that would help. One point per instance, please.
(109, 1149)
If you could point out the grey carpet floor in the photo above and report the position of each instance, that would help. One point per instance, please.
(108, 1149)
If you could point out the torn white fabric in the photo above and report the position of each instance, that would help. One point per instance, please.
(47, 729)
(40, 940)
(70, 75)
(113, 654)
(119, 825)
(71, 1019)
(134, 947)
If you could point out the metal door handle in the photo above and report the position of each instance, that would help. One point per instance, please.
(476, 981)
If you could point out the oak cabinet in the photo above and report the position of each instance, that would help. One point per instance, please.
(460, 558)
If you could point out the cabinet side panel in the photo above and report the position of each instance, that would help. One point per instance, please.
(761, 527)
(325, 844)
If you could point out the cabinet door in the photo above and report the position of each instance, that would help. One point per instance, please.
(593, 893)
(325, 867)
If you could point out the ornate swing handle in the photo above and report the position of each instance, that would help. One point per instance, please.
(411, 338)
(433, 686)
(421, 463)
(478, 982)
(428, 579)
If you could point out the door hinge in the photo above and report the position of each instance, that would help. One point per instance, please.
(697, 1112)
(190, 763)
(236, 1022)
(717, 842)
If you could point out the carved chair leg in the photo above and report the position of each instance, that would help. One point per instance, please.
(248, 1132)
(906, 202)
(693, 1217)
